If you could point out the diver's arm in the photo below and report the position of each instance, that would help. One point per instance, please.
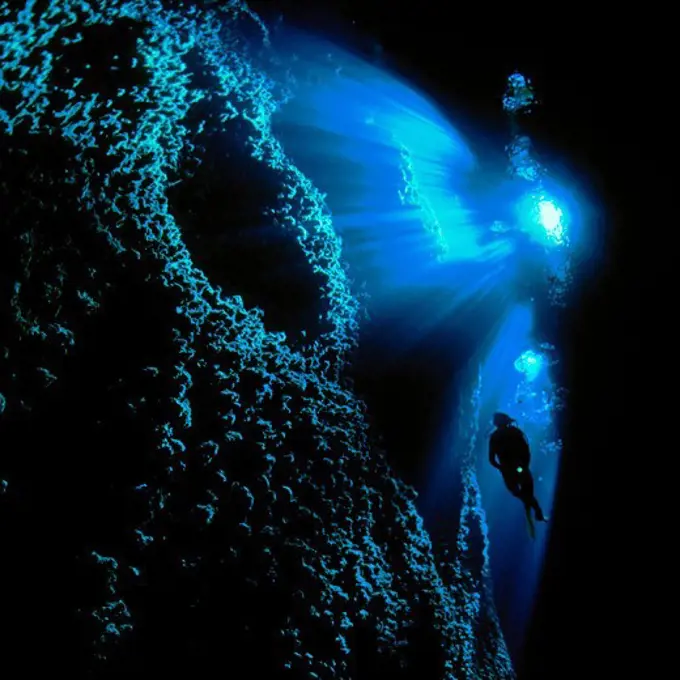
(492, 456)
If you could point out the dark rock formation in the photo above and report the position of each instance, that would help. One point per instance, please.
(189, 485)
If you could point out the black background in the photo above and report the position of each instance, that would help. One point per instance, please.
(602, 82)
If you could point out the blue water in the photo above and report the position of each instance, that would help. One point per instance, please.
(456, 249)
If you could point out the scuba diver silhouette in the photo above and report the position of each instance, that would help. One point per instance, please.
(509, 452)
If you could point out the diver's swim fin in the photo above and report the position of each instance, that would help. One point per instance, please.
(530, 524)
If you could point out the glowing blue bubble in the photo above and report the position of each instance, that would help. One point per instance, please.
(519, 94)
(529, 363)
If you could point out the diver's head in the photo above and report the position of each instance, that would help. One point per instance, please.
(502, 419)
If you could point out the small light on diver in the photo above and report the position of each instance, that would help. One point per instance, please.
(519, 469)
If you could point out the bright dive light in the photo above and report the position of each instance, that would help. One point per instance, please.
(529, 363)
(543, 219)
(550, 217)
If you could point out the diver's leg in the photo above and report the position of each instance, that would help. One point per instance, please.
(538, 511)
(528, 494)
(512, 483)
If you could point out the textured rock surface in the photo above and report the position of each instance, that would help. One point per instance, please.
(188, 481)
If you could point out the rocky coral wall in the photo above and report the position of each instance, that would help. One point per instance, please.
(188, 481)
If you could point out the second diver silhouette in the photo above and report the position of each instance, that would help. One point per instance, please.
(509, 452)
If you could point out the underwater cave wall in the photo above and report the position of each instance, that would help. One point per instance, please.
(187, 479)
